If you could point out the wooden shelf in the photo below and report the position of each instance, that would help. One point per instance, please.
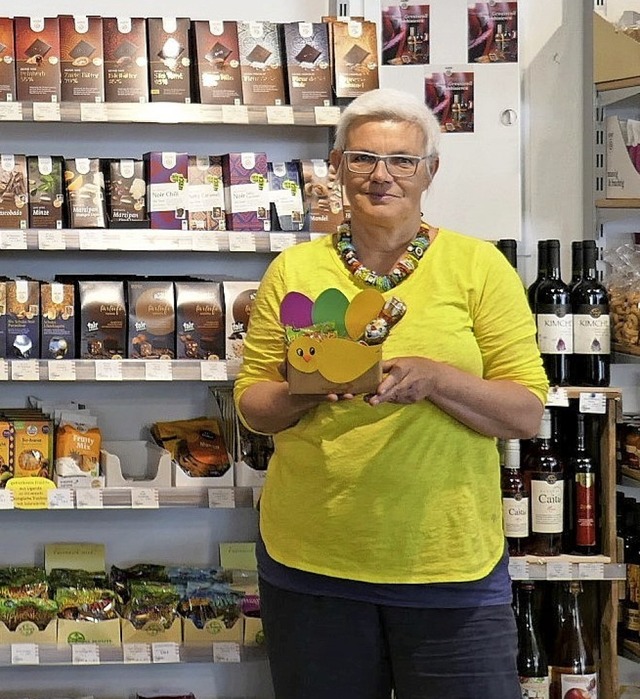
(618, 203)
(632, 350)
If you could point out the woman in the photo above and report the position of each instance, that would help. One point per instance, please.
(382, 557)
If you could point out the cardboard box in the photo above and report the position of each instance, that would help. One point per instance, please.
(33, 445)
(285, 194)
(247, 477)
(81, 58)
(85, 193)
(238, 297)
(135, 464)
(105, 633)
(46, 191)
(23, 319)
(355, 57)
(166, 175)
(37, 43)
(322, 196)
(214, 631)
(253, 632)
(623, 179)
(199, 320)
(217, 62)
(205, 194)
(151, 321)
(308, 62)
(261, 64)
(102, 320)
(125, 59)
(7, 61)
(302, 383)
(169, 59)
(181, 479)
(246, 191)
(28, 632)
(151, 632)
(3, 317)
(126, 194)
(14, 194)
(57, 321)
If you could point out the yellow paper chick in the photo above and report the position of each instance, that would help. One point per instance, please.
(336, 359)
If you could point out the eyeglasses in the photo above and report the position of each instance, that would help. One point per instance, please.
(363, 163)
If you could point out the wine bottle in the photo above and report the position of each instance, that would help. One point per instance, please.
(542, 274)
(554, 320)
(533, 667)
(591, 331)
(509, 248)
(573, 668)
(515, 499)
(576, 263)
(583, 474)
(632, 560)
(544, 473)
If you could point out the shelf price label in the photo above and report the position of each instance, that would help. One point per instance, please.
(204, 241)
(145, 499)
(136, 653)
(518, 569)
(25, 654)
(591, 571)
(222, 498)
(89, 499)
(595, 403)
(280, 114)
(235, 114)
(213, 371)
(11, 111)
(158, 370)
(165, 652)
(327, 116)
(60, 499)
(51, 240)
(226, 652)
(242, 241)
(61, 370)
(559, 570)
(46, 111)
(558, 397)
(25, 370)
(6, 500)
(91, 111)
(4, 370)
(85, 654)
(92, 240)
(108, 370)
(281, 241)
(14, 240)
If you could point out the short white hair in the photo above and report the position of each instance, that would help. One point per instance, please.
(385, 104)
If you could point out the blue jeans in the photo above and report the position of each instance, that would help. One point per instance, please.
(333, 648)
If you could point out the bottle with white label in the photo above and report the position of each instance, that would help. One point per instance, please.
(533, 668)
(515, 499)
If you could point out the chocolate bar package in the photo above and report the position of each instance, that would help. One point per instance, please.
(57, 321)
(166, 175)
(322, 195)
(199, 320)
(85, 193)
(355, 57)
(81, 58)
(307, 58)
(169, 59)
(206, 194)
(23, 319)
(287, 210)
(125, 59)
(238, 299)
(14, 197)
(126, 194)
(3, 317)
(46, 191)
(246, 191)
(151, 321)
(37, 43)
(7, 61)
(261, 63)
(217, 62)
(102, 320)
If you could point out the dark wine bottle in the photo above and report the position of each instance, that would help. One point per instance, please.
(573, 667)
(515, 499)
(509, 248)
(533, 667)
(542, 274)
(632, 561)
(591, 331)
(584, 486)
(576, 263)
(545, 474)
(554, 320)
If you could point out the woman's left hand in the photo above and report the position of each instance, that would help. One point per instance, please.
(406, 380)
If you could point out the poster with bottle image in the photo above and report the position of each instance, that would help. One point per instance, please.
(493, 32)
(405, 34)
(450, 96)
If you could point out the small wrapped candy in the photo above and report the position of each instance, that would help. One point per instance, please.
(376, 331)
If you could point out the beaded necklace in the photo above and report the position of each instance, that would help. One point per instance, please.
(401, 270)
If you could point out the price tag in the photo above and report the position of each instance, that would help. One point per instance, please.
(559, 570)
(204, 241)
(235, 114)
(25, 654)
(145, 499)
(222, 497)
(92, 240)
(226, 652)
(108, 370)
(60, 499)
(315, 236)
(279, 115)
(591, 571)
(93, 111)
(25, 370)
(14, 240)
(85, 654)
(518, 569)
(327, 116)
(558, 397)
(89, 499)
(11, 111)
(241, 242)
(4, 370)
(281, 241)
(158, 370)
(6, 500)
(46, 111)
(61, 370)
(136, 653)
(165, 652)
(51, 240)
(593, 403)
(213, 371)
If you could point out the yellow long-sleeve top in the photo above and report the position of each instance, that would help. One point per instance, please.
(395, 493)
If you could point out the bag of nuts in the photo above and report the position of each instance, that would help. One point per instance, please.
(623, 284)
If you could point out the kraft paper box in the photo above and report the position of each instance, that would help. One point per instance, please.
(355, 57)
(214, 631)
(125, 59)
(169, 59)
(14, 195)
(46, 191)
(81, 58)
(28, 632)
(246, 191)
(623, 158)
(287, 210)
(37, 42)
(7, 61)
(217, 62)
(308, 63)
(105, 633)
(261, 64)
(166, 176)
(253, 633)
(151, 632)
(205, 194)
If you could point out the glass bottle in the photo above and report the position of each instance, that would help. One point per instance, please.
(515, 499)
(533, 667)
(582, 470)
(576, 264)
(509, 248)
(542, 274)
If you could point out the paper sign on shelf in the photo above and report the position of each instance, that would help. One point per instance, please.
(31, 493)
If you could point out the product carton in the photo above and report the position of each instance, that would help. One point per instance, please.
(355, 57)
(261, 64)
(217, 62)
(37, 42)
(7, 61)
(28, 632)
(57, 321)
(125, 59)
(135, 464)
(246, 190)
(102, 321)
(214, 631)
(205, 198)
(126, 194)
(84, 182)
(14, 211)
(287, 209)
(199, 320)
(33, 445)
(308, 63)
(81, 58)
(166, 175)
(46, 191)
(151, 320)
(104, 633)
(151, 632)
(23, 319)
(169, 59)
(3, 318)
(238, 298)
(322, 196)
(623, 158)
